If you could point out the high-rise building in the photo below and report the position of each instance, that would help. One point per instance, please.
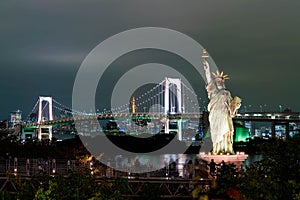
(16, 117)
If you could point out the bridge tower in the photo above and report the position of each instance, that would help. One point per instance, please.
(173, 96)
(44, 131)
(173, 104)
(40, 112)
(133, 107)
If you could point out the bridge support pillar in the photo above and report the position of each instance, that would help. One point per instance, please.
(273, 129)
(167, 123)
(287, 130)
(44, 132)
(252, 129)
(171, 129)
(179, 132)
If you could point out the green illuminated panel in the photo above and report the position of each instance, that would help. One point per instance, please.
(30, 127)
(241, 134)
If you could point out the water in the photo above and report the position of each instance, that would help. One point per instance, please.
(146, 163)
(251, 159)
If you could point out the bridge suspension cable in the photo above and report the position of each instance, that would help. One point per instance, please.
(189, 94)
(45, 106)
(151, 98)
(154, 98)
(67, 109)
(33, 109)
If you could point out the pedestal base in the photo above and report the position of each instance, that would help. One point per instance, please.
(237, 159)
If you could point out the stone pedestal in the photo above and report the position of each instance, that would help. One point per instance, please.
(236, 159)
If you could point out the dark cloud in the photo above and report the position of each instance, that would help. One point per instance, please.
(42, 43)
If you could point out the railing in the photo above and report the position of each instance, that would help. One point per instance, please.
(172, 183)
(169, 189)
(28, 167)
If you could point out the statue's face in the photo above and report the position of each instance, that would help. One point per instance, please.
(220, 83)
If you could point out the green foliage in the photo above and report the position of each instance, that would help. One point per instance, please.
(256, 184)
(277, 175)
(49, 194)
(4, 195)
(76, 185)
(199, 190)
(150, 191)
(111, 190)
(227, 182)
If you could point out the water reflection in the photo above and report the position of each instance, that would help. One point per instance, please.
(251, 159)
(141, 163)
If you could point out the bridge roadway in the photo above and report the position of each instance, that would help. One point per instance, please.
(247, 116)
(269, 117)
(277, 118)
(152, 116)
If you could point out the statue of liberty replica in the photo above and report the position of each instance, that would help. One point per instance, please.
(222, 108)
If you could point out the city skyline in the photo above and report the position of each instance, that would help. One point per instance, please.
(44, 43)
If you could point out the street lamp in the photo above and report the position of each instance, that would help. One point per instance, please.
(249, 108)
(280, 108)
(260, 108)
(265, 108)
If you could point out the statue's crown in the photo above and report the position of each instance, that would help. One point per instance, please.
(220, 75)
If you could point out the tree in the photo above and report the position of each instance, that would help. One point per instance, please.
(277, 175)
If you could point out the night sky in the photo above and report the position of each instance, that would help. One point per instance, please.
(43, 43)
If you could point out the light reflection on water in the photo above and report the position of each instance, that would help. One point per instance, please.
(156, 162)
(251, 159)
(146, 163)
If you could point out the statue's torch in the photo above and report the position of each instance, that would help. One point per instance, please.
(204, 54)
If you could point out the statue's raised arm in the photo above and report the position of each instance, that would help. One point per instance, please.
(206, 66)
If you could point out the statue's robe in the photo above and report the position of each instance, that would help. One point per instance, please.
(221, 125)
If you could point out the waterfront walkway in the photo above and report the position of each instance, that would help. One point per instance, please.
(173, 170)
(174, 181)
